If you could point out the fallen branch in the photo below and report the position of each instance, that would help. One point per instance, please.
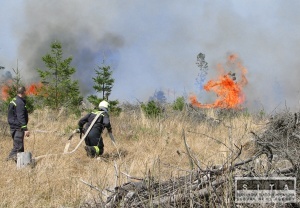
(93, 187)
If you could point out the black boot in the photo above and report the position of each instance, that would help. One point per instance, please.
(13, 158)
(90, 151)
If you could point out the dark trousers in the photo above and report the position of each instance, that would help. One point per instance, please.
(94, 139)
(18, 142)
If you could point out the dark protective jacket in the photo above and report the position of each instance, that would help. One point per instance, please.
(17, 114)
(102, 122)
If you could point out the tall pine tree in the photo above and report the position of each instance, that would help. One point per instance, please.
(58, 89)
(203, 66)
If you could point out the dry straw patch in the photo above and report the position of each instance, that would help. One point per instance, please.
(144, 147)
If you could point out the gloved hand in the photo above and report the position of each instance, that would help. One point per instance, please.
(80, 130)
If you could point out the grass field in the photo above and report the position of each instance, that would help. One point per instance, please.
(144, 146)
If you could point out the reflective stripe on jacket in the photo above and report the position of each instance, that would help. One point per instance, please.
(102, 122)
(17, 114)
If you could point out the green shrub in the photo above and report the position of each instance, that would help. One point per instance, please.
(178, 104)
(151, 109)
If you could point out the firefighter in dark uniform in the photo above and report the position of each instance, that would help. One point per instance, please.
(94, 142)
(17, 120)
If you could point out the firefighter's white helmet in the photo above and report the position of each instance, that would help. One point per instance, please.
(103, 104)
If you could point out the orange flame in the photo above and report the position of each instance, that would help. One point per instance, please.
(229, 93)
(32, 89)
(4, 92)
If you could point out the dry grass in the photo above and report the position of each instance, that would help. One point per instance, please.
(147, 146)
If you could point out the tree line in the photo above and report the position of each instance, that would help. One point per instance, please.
(57, 89)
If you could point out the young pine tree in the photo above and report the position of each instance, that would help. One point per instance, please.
(58, 88)
(9, 89)
(104, 84)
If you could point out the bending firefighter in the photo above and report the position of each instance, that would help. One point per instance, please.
(94, 142)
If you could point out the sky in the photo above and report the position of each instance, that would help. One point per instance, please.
(153, 45)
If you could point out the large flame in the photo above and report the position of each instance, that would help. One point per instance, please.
(229, 92)
(31, 90)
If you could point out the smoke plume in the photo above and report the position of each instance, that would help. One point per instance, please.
(153, 45)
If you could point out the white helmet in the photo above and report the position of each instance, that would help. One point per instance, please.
(103, 104)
